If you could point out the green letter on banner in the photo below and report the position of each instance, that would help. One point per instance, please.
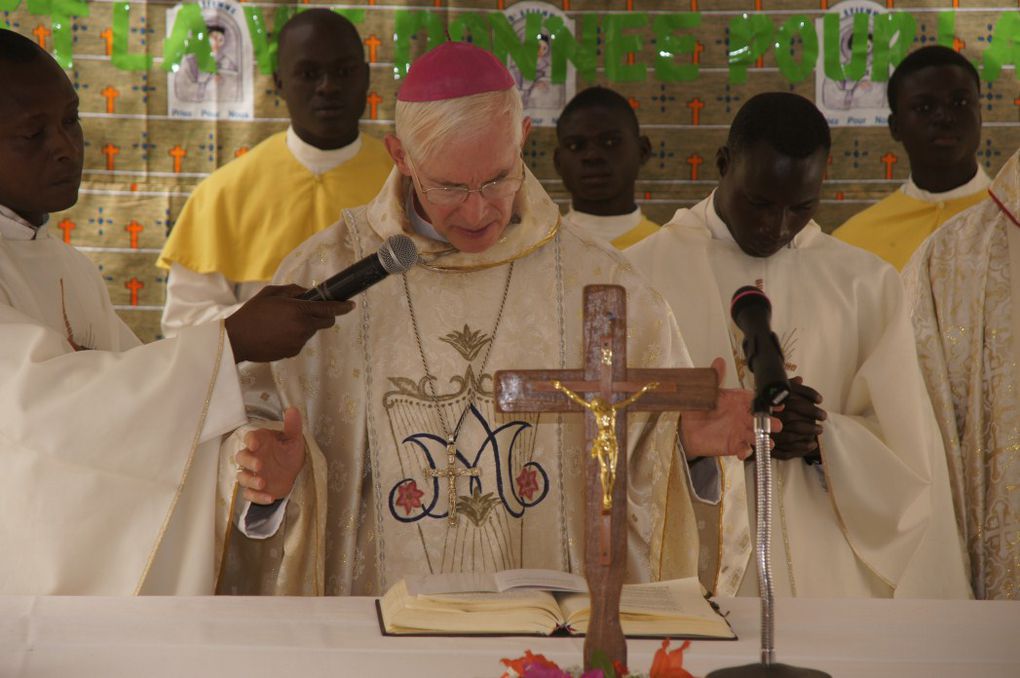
(1004, 48)
(61, 13)
(406, 24)
(189, 35)
(121, 33)
(505, 41)
(565, 47)
(791, 69)
(264, 43)
(855, 70)
(475, 26)
(619, 45)
(750, 37)
(885, 55)
(946, 28)
(669, 46)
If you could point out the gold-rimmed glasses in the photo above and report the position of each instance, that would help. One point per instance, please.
(450, 196)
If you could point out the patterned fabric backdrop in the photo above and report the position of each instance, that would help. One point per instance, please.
(166, 100)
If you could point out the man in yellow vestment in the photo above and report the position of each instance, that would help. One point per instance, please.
(964, 288)
(247, 216)
(109, 448)
(389, 395)
(862, 503)
(936, 115)
(599, 152)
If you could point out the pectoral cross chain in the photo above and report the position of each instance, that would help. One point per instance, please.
(451, 473)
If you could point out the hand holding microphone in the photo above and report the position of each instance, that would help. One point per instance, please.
(800, 414)
(278, 321)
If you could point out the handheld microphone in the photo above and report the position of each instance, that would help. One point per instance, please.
(752, 312)
(398, 254)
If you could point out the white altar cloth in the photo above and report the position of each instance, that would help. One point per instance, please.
(148, 637)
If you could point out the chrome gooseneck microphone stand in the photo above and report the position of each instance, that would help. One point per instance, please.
(763, 473)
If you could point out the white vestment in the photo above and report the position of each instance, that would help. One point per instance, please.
(367, 402)
(109, 448)
(875, 517)
(964, 287)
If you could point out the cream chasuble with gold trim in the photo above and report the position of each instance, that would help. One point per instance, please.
(368, 404)
(109, 448)
(964, 287)
(875, 518)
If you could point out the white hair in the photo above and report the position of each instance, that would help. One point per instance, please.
(424, 127)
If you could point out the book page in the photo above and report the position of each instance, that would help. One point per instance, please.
(670, 608)
(495, 582)
(523, 611)
(543, 580)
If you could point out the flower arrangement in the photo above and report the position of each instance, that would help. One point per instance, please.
(666, 664)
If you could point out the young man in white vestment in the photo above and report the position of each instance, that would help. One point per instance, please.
(862, 505)
(243, 219)
(963, 287)
(110, 448)
(499, 287)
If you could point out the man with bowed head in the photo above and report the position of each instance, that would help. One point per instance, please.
(110, 447)
(499, 286)
(862, 501)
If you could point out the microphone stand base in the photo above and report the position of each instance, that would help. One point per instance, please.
(770, 671)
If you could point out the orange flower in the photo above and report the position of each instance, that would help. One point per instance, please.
(669, 664)
(532, 664)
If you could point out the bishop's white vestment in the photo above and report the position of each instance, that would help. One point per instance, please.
(875, 517)
(367, 402)
(109, 448)
(964, 290)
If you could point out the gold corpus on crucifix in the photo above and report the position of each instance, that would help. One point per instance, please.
(605, 375)
(605, 447)
(451, 473)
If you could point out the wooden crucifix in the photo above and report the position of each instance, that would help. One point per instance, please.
(605, 376)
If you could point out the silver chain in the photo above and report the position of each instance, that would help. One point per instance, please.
(451, 437)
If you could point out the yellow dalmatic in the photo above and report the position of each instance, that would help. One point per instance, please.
(382, 414)
(895, 226)
(248, 215)
(621, 231)
(964, 287)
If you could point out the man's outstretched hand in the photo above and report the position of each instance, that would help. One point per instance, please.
(726, 430)
(274, 325)
(271, 460)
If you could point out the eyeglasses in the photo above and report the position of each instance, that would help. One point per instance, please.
(449, 196)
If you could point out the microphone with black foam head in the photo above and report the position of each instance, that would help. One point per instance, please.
(397, 255)
(752, 312)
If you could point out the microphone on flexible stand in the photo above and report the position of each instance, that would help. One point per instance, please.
(752, 312)
(397, 255)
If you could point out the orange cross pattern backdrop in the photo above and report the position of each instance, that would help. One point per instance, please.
(686, 66)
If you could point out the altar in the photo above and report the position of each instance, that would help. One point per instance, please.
(149, 637)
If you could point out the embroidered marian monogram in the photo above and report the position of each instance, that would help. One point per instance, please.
(514, 492)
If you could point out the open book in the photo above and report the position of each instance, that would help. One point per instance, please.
(542, 602)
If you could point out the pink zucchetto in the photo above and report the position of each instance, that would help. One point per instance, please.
(453, 70)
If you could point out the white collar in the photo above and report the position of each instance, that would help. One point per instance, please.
(15, 227)
(978, 183)
(608, 228)
(716, 226)
(420, 225)
(316, 160)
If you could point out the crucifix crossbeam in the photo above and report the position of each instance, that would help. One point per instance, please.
(606, 388)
